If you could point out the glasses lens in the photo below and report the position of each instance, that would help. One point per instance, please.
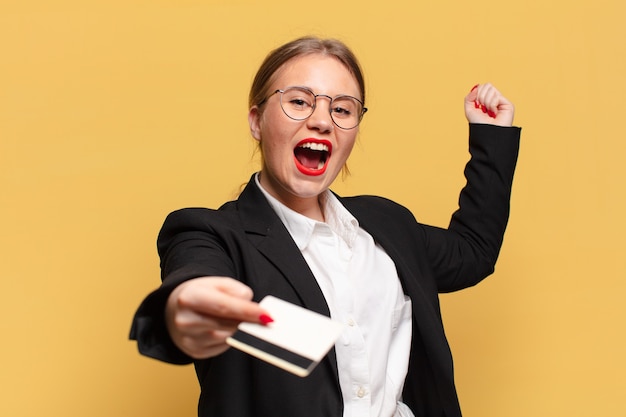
(346, 111)
(297, 103)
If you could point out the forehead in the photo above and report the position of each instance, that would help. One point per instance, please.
(324, 74)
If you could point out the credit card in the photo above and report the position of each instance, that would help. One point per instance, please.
(296, 341)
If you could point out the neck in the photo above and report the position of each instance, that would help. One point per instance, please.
(310, 208)
(307, 206)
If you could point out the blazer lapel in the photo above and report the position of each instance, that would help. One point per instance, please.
(271, 238)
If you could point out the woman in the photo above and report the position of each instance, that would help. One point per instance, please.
(364, 261)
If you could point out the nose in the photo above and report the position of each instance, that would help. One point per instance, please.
(321, 120)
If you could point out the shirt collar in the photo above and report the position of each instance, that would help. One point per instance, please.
(301, 228)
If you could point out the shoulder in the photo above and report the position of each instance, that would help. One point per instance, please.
(200, 220)
(202, 215)
(373, 202)
(378, 207)
(200, 227)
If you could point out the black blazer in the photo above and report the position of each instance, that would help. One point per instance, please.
(245, 240)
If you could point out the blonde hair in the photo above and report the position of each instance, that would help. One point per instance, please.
(259, 90)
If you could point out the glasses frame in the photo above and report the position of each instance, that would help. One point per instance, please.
(314, 106)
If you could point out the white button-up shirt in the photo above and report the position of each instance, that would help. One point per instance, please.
(362, 290)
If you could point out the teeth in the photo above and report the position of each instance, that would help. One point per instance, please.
(315, 146)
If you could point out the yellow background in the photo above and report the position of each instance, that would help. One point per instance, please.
(114, 113)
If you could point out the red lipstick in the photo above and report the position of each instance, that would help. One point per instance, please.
(311, 156)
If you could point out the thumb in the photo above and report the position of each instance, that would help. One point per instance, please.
(472, 95)
(234, 288)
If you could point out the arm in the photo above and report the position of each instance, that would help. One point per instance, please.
(467, 251)
(199, 303)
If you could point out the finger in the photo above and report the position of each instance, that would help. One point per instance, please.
(214, 297)
(233, 287)
(221, 305)
(239, 289)
(192, 323)
(481, 93)
(207, 339)
(490, 99)
(472, 99)
(209, 345)
(472, 95)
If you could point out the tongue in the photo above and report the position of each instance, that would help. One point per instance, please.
(308, 158)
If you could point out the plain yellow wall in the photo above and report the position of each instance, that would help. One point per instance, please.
(114, 113)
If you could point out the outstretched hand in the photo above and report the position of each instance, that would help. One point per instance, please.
(203, 312)
(486, 105)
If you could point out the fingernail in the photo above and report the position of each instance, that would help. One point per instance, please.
(265, 319)
(483, 108)
(476, 104)
(491, 114)
(474, 88)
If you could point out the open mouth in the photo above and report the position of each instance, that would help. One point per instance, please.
(312, 156)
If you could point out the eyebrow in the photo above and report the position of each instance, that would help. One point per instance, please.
(313, 92)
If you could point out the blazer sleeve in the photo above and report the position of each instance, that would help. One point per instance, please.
(191, 245)
(467, 251)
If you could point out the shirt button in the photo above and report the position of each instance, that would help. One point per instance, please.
(361, 392)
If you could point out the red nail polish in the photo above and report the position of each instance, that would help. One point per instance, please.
(474, 88)
(265, 319)
(483, 108)
(491, 114)
(476, 104)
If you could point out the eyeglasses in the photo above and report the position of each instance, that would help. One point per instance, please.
(298, 103)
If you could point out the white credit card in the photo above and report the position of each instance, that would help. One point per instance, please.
(296, 341)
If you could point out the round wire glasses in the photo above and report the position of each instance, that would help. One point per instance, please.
(298, 103)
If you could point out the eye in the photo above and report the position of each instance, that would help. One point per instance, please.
(342, 112)
(299, 103)
(345, 107)
(298, 99)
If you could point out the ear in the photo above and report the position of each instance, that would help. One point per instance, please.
(254, 119)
